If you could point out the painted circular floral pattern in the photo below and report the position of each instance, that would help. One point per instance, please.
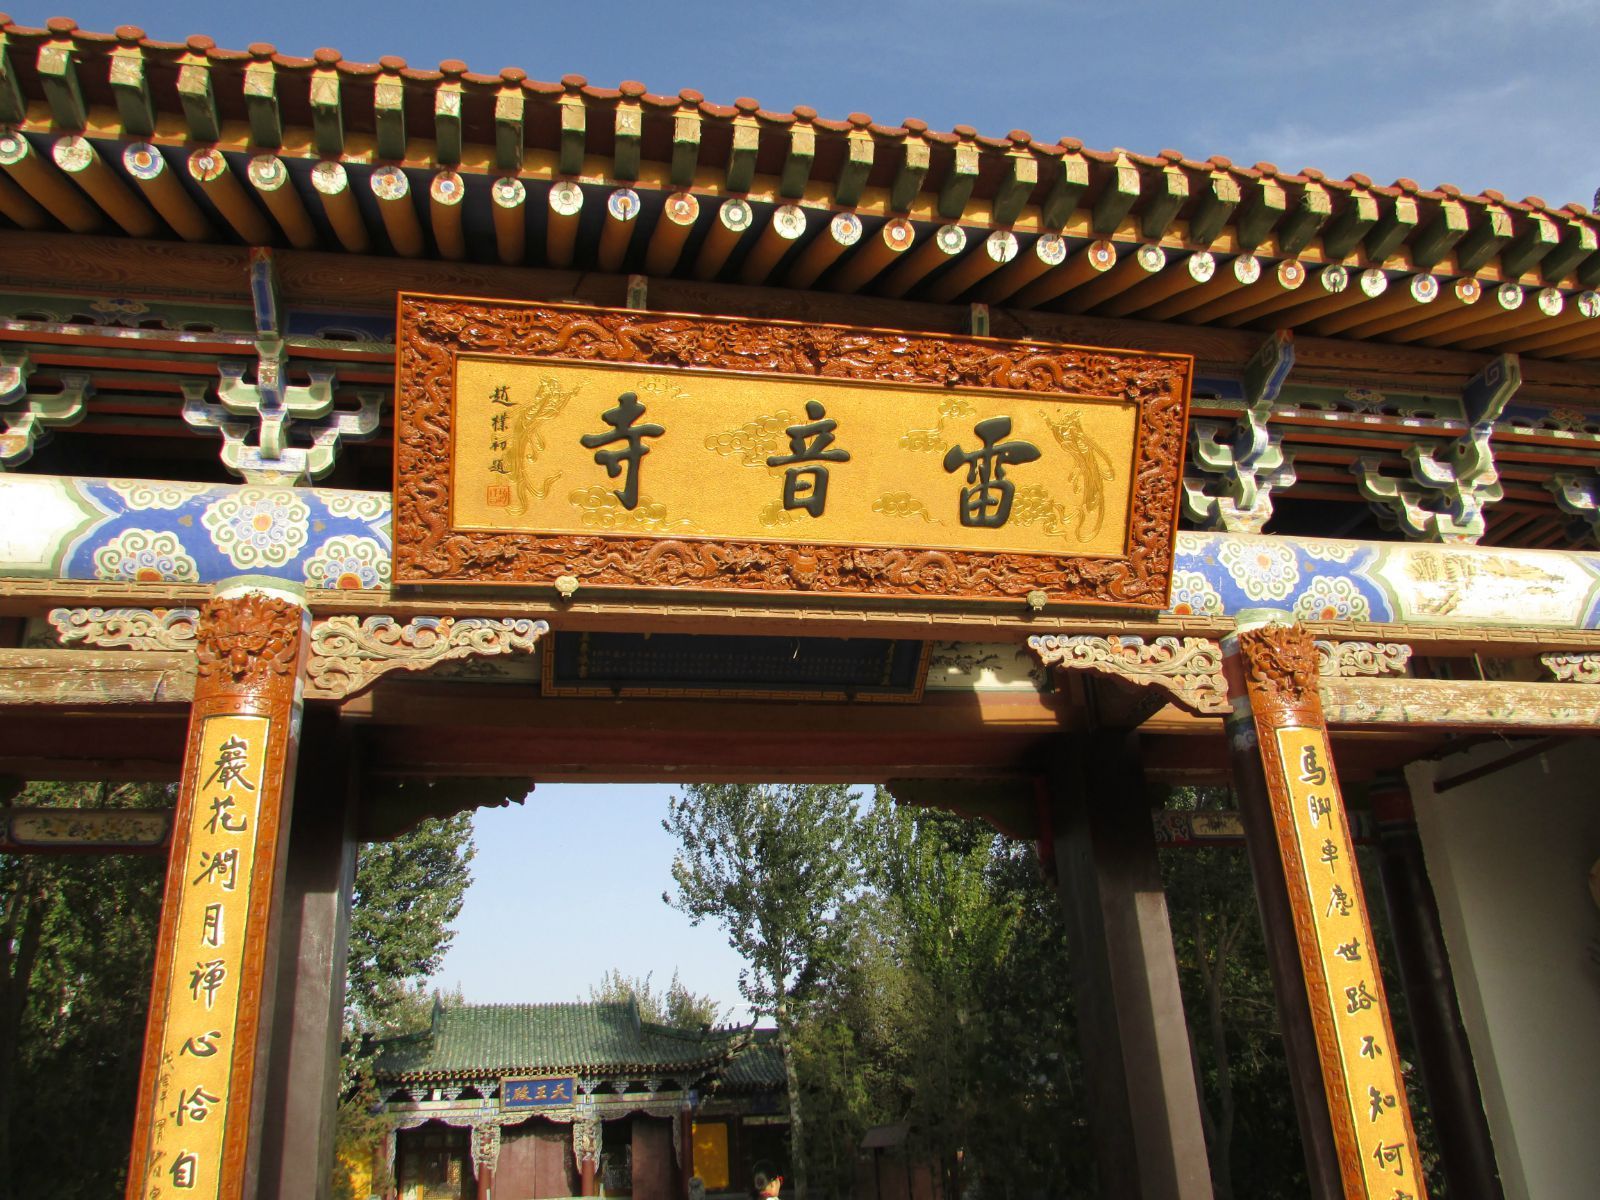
(1263, 570)
(258, 527)
(1332, 598)
(363, 506)
(1193, 595)
(1330, 551)
(145, 556)
(146, 494)
(349, 564)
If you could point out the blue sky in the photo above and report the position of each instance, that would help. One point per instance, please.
(1479, 93)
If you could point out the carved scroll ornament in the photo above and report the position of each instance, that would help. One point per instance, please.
(1361, 658)
(1189, 668)
(348, 652)
(135, 628)
(1572, 668)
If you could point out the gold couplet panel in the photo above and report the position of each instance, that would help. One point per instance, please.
(783, 458)
(1353, 996)
(190, 1117)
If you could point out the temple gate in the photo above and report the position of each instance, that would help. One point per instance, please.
(373, 437)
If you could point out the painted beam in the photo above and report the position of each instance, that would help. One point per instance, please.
(130, 532)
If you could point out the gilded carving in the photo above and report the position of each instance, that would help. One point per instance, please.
(1189, 668)
(427, 548)
(586, 1142)
(245, 641)
(349, 652)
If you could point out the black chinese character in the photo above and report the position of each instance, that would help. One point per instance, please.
(1318, 807)
(988, 505)
(622, 420)
(1330, 853)
(1358, 999)
(222, 867)
(1339, 901)
(194, 1105)
(501, 395)
(807, 487)
(1378, 1102)
(211, 930)
(1310, 770)
(231, 758)
(201, 1045)
(1389, 1156)
(1370, 1048)
(220, 816)
(207, 977)
(1350, 951)
(498, 422)
(183, 1170)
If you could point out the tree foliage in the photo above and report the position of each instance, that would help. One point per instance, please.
(408, 892)
(77, 948)
(774, 865)
(676, 1007)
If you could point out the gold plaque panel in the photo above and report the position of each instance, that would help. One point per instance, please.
(628, 450)
(520, 462)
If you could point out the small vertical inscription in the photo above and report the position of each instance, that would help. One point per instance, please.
(1353, 993)
(190, 1113)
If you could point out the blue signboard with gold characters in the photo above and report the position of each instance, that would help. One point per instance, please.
(613, 448)
(538, 1091)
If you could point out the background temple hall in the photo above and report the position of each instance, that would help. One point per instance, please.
(379, 443)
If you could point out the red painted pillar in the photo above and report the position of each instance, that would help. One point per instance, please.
(685, 1149)
(1340, 1042)
(197, 1125)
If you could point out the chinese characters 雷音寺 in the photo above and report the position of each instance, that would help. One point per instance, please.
(987, 504)
(623, 420)
(806, 488)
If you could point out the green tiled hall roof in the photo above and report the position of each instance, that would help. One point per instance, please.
(490, 1040)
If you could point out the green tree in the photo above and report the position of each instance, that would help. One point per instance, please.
(677, 1007)
(408, 893)
(773, 865)
(77, 948)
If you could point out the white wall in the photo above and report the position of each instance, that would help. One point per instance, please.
(1509, 857)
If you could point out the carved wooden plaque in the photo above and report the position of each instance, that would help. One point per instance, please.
(632, 450)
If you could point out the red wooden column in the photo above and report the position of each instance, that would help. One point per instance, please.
(1357, 1124)
(200, 1093)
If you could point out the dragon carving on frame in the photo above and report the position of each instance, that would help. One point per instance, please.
(428, 550)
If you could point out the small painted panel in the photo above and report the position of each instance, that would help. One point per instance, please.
(711, 1154)
(1353, 991)
(189, 1125)
(63, 829)
(538, 1091)
(628, 449)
